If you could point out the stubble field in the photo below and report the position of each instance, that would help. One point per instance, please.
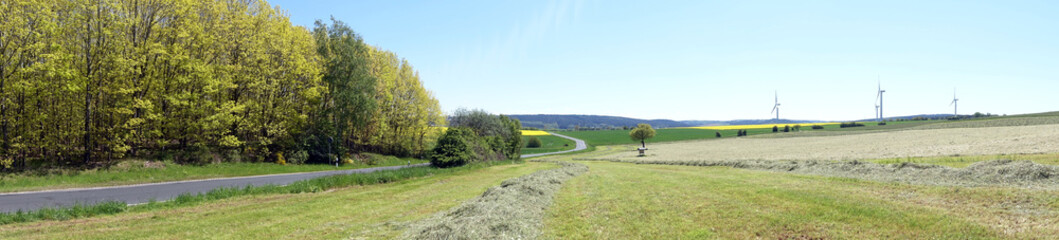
(895, 144)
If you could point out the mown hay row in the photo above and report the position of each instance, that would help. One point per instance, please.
(513, 210)
(1025, 174)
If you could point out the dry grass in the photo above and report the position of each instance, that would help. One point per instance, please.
(512, 210)
(897, 144)
(1022, 174)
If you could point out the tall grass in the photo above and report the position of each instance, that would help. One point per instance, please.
(303, 186)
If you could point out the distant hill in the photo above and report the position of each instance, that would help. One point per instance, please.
(556, 121)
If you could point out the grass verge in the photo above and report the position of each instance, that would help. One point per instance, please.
(380, 211)
(629, 201)
(139, 171)
(304, 186)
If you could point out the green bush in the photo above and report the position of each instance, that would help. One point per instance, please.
(817, 127)
(454, 148)
(775, 129)
(850, 124)
(298, 157)
(533, 142)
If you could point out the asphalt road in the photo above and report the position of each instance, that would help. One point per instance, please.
(142, 193)
(578, 147)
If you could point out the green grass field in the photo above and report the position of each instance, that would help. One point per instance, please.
(549, 143)
(370, 212)
(630, 201)
(134, 172)
(619, 137)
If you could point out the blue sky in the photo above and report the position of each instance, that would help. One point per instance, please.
(718, 60)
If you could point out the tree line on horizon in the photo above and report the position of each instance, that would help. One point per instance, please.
(87, 82)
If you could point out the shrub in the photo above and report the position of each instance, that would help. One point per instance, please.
(718, 134)
(454, 148)
(533, 142)
(787, 128)
(280, 159)
(797, 127)
(775, 129)
(817, 127)
(882, 123)
(850, 124)
(298, 157)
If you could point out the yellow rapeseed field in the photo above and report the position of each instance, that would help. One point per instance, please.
(524, 132)
(758, 126)
(534, 133)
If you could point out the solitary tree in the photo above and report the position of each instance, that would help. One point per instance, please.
(718, 134)
(641, 132)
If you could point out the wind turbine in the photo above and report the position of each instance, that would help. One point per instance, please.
(776, 108)
(954, 104)
(879, 103)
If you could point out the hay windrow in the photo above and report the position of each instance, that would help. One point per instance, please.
(1026, 174)
(513, 210)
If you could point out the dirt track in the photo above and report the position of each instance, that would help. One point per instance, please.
(911, 143)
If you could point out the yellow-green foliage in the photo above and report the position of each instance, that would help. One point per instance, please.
(91, 80)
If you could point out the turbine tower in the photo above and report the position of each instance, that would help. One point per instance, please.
(954, 104)
(879, 103)
(776, 108)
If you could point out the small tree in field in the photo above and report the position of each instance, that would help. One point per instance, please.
(642, 132)
(718, 134)
(775, 129)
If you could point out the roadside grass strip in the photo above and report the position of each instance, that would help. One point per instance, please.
(513, 210)
(303, 186)
(135, 171)
(379, 211)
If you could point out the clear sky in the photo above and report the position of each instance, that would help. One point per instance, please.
(717, 60)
